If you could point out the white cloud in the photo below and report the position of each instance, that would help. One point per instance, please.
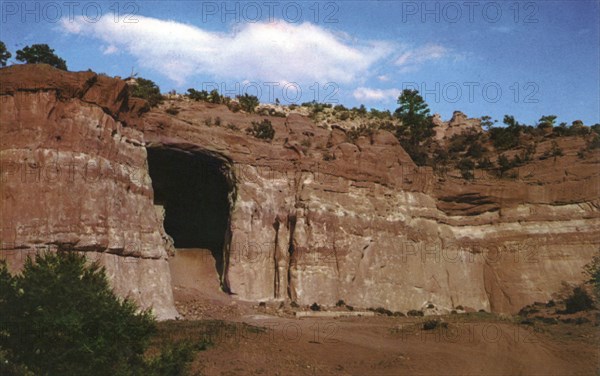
(110, 50)
(383, 78)
(278, 52)
(411, 60)
(375, 95)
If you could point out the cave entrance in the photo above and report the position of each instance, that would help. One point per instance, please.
(193, 189)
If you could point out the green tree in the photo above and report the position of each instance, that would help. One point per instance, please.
(148, 90)
(510, 121)
(487, 123)
(4, 54)
(547, 121)
(198, 95)
(414, 113)
(466, 167)
(248, 102)
(215, 97)
(60, 317)
(506, 137)
(41, 54)
(503, 164)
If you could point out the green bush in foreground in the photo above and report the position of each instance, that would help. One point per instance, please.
(578, 301)
(60, 317)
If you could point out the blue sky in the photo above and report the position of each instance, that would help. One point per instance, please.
(521, 58)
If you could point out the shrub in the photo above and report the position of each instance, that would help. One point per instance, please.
(247, 102)
(233, 106)
(508, 137)
(340, 303)
(328, 156)
(457, 144)
(172, 110)
(215, 97)
(315, 307)
(375, 113)
(61, 317)
(430, 324)
(306, 144)
(476, 150)
(316, 106)
(578, 301)
(275, 113)
(440, 160)
(414, 312)
(345, 115)
(485, 163)
(503, 164)
(417, 153)
(263, 130)
(218, 121)
(361, 110)
(529, 152)
(381, 311)
(594, 143)
(466, 167)
(555, 150)
(504, 138)
(592, 270)
(363, 130)
(233, 127)
(198, 95)
(148, 90)
(174, 358)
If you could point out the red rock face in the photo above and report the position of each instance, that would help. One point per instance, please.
(73, 177)
(312, 217)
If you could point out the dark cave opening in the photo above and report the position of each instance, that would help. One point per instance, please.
(193, 189)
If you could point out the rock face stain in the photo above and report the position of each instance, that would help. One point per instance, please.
(311, 221)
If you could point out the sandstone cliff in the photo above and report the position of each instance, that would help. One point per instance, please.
(309, 216)
(75, 177)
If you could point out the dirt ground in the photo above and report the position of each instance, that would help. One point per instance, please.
(253, 339)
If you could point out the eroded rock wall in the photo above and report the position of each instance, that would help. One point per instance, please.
(328, 219)
(313, 217)
(75, 178)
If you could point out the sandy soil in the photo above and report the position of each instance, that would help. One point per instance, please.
(254, 339)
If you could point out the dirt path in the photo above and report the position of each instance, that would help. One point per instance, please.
(392, 346)
(469, 345)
